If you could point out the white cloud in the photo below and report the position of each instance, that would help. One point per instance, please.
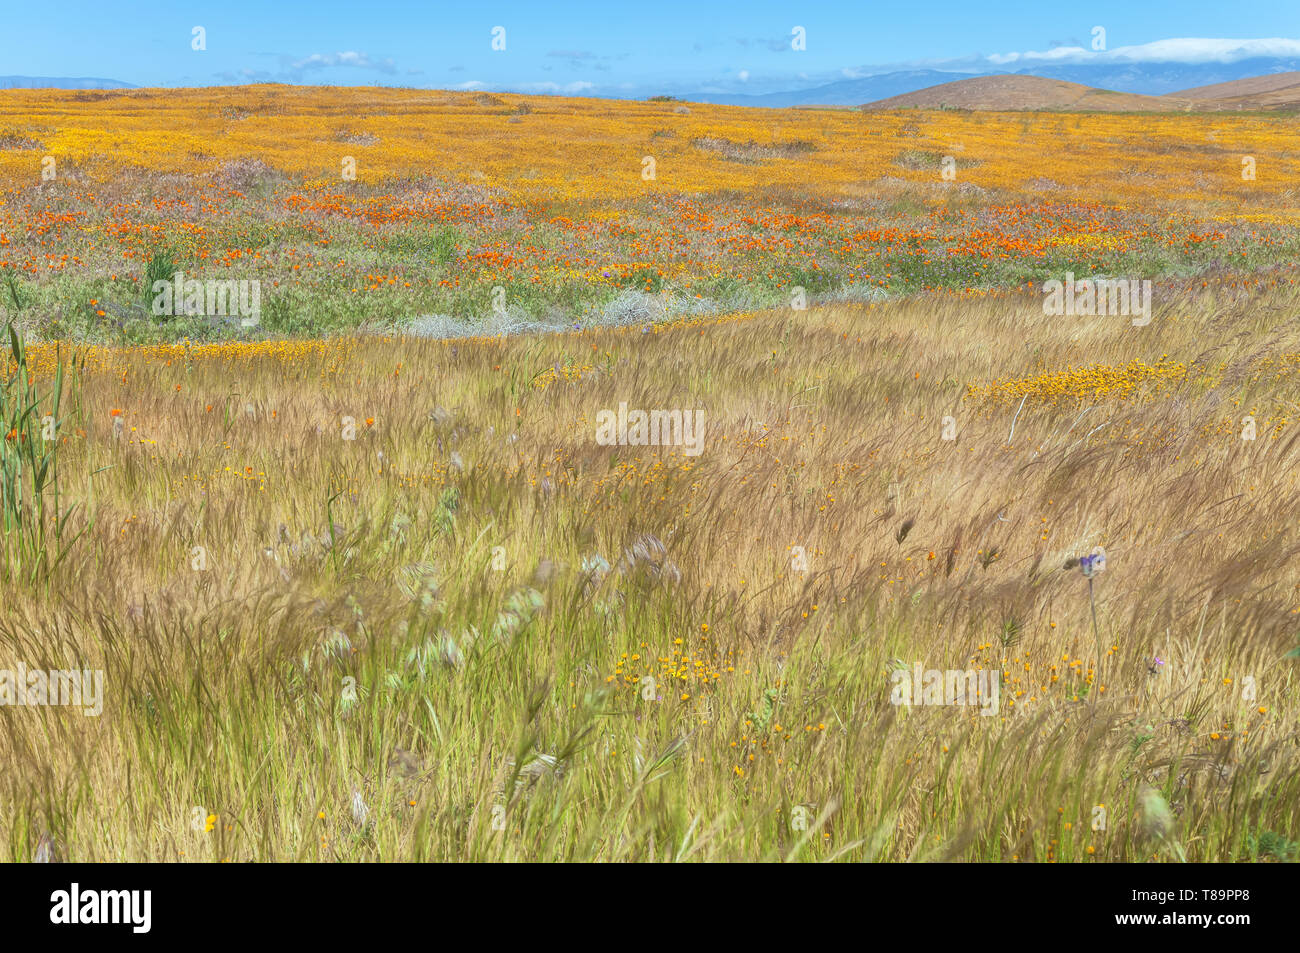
(581, 86)
(1182, 50)
(348, 58)
(744, 75)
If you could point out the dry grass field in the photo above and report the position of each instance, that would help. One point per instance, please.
(363, 593)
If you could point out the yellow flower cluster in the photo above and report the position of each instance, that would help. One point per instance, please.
(1093, 382)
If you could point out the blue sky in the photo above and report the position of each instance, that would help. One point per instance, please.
(619, 48)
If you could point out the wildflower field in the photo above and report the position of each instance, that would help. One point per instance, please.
(583, 211)
(365, 585)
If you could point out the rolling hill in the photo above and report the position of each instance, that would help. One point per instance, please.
(1010, 92)
(1014, 92)
(1273, 91)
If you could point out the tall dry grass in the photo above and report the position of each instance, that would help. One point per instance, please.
(346, 675)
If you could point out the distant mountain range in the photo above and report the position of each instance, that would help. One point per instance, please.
(1148, 79)
(848, 92)
(1140, 79)
(61, 82)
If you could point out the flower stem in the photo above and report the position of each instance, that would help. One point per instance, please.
(1096, 634)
